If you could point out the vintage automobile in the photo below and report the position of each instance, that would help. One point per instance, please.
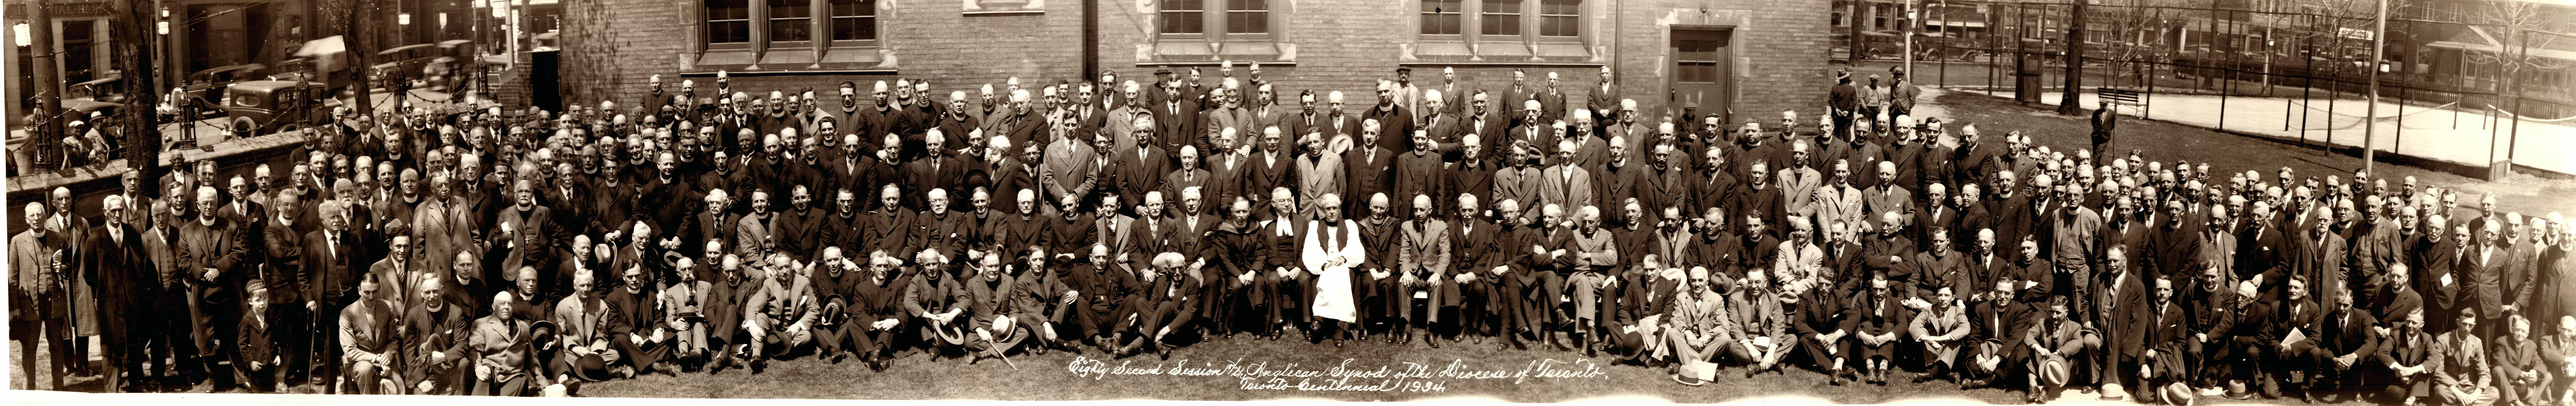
(103, 89)
(402, 64)
(205, 87)
(96, 96)
(267, 106)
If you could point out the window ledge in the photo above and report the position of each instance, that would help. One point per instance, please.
(1500, 53)
(1563, 50)
(789, 58)
(1499, 63)
(1186, 52)
(793, 60)
(1004, 13)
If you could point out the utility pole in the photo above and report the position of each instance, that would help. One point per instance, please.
(49, 82)
(1913, 20)
(2370, 117)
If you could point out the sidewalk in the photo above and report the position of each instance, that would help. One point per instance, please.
(2467, 138)
(208, 133)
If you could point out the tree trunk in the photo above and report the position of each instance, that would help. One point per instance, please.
(142, 134)
(1859, 42)
(361, 30)
(2074, 61)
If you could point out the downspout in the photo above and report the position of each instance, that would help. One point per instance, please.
(1090, 40)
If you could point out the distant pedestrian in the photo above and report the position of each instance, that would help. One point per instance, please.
(2104, 120)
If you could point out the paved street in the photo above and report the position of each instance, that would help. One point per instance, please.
(2464, 136)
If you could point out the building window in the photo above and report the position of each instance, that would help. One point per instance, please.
(1560, 18)
(854, 20)
(790, 20)
(78, 42)
(1502, 20)
(1184, 17)
(1501, 17)
(789, 23)
(1440, 17)
(728, 22)
(1247, 16)
(1215, 20)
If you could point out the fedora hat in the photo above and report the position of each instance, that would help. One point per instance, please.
(590, 367)
(2176, 394)
(2053, 371)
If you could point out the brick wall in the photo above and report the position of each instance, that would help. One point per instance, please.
(613, 45)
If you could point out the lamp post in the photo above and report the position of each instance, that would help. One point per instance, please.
(2370, 121)
(1913, 20)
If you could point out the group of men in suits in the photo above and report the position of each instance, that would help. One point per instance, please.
(692, 233)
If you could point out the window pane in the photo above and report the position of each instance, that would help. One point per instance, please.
(790, 20)
(1247, 16)
(854, 20)
(1558, 18)
(77, 37)
(728, 21)
(1440, 17)
(1501, 17)
(1183, 17)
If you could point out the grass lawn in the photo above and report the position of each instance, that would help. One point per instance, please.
(1062, 376)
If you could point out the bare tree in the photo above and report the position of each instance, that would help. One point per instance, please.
(2526, 25)
(2140, 32)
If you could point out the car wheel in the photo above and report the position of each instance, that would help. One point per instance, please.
(244, 126)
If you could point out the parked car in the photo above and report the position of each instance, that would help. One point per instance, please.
(402, 63)
(102, 89)
(94, 96)
(268, 106)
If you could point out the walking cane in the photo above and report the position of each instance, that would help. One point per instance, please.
(71, 310)
(1006, 359)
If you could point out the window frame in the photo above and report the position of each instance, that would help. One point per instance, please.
(1531, 18)
(750, 24)
(770, 19)
(1162, 13)
(93, 36)
(1458, 15)
(1519, 22)
(1541, 16)
(758, 21)
(1214, 22)
(1226, 18)
(831, 25)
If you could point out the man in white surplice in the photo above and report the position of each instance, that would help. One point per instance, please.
(1332, 249)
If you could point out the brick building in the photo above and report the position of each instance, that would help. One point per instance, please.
(1752, 55)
